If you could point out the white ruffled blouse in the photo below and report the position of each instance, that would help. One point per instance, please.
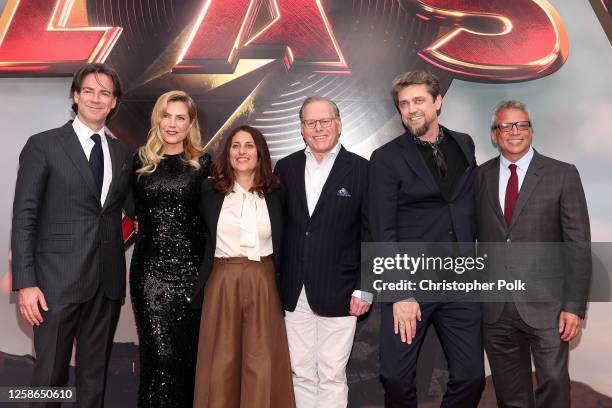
(244, 228)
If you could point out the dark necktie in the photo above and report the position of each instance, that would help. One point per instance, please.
(96, 162)
(512, 192)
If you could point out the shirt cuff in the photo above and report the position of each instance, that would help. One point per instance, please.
(363, 295)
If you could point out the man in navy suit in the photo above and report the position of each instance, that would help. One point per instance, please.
(326, 193)
(421, 190)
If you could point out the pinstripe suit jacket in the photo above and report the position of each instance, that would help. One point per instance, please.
(551, 207)
(322, 252)
(63, 240)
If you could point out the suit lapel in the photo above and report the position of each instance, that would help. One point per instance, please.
(465, 148)
(300, 170)
(113, 149)
(491, 178)
(416, 162)
(74, 150)
(341, 167)
(532, 178)
(276, 221)
(215, 202)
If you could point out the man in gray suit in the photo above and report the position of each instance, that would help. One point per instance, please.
(523, 196)
(68, 257)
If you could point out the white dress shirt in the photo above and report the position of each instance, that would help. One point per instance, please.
(504, 174)
(244, 228)
(315, 176)
(84, 134)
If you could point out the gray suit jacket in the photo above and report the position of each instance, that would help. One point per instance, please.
(63, 240)
(551, 208)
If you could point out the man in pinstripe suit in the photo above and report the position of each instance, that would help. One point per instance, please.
(325, 224)
(68, 258)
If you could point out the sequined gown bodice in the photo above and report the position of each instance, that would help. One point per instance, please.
(163, 272)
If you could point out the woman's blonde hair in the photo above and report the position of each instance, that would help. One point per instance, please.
(152, 152)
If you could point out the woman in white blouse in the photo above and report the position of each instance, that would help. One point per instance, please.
(243, 357)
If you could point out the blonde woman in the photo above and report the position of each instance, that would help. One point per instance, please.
(168, 173)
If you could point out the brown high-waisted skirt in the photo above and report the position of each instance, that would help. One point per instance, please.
(243, 356)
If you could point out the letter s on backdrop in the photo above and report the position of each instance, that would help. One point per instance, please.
(495, 40)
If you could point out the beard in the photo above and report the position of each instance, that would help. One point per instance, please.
(419, 131)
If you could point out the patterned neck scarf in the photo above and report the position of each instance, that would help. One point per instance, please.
(438, 156)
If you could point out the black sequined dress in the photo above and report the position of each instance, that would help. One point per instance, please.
(163, 272)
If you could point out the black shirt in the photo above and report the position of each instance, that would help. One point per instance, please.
(455, 160)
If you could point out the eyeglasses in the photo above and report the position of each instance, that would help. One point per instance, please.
(325, 123)
(521, 126)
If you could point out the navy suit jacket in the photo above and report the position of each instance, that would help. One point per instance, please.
(322, 252)
(405, 202)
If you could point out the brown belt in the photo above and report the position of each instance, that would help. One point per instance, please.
(240, 259)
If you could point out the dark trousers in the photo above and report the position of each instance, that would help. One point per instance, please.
(510, 343)
(92, 325)
(458, 326)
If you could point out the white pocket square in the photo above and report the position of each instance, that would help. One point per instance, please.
(343, 192)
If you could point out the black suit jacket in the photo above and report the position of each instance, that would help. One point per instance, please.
(405, 202)
(322, 252)
(211, 202)
(63, 240)
(551, 207)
